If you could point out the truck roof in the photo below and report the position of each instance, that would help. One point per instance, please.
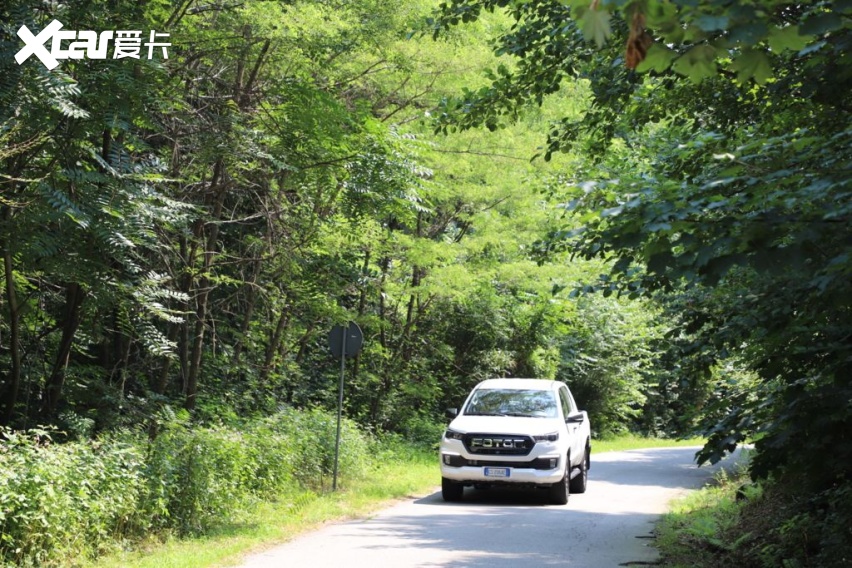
(518, 383)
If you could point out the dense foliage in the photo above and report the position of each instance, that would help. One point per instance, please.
(64, 503)
(717, 181)
(735, 211)
(181, 232)
(737, 523)
(184, 231)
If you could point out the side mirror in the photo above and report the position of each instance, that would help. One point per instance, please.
(576, 418)
(451, 412)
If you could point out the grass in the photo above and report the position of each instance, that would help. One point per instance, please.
(727, 523)
(695, 532)
(276, 522)
(635, 442)
(272, 523)
(775, 522)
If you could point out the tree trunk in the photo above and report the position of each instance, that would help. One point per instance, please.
(74, 296)
(274, 342)
(385, 266)
(417, 274)
(183, 327)
(218, 186)
(14, 378)
(249, 313)
(303, 343)
(362, 306)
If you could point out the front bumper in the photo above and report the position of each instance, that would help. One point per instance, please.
(522, 471)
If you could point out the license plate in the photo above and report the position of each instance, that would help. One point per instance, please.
(497, 472)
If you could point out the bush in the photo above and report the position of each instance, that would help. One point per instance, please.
(65, 501)
(196, 478)
(423, 432)
(762, 525)
(309, 437)
(803, 530)
(77, 499)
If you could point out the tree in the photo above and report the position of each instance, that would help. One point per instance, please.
(80, 208)
(608, 360)
(184, 231)
(720, 164)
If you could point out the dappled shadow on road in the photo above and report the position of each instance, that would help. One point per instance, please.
(503, 527)
(605, 527)
(670, 468)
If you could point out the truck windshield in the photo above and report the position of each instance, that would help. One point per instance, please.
(512, 402)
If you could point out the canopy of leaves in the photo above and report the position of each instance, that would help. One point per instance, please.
(718, 179)
(183, 231)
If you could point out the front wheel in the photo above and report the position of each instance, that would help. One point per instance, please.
(559, 490)
(579, 482)
(450, 490)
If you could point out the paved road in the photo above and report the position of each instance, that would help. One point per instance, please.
(608, 526)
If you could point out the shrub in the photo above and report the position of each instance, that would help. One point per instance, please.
(762, 525)
(311, 435)
(65, 501)
(77, 499)
(196, 477)
(423, 432)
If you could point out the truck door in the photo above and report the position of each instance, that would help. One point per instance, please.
(575, 430)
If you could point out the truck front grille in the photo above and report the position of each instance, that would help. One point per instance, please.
(498, 444)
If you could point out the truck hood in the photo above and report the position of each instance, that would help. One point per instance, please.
(506, 425)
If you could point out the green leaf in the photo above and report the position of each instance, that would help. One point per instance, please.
(822, 23)
(659, 58)
(595, 26)
(787, 38)
(698, 63)
(658, 227)
(710, 23)
(658, 263)
(752, 64)
(575, 3)
(750, 33)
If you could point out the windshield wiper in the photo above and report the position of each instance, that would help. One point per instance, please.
(522, 415)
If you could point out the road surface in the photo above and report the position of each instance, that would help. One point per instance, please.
(608, 526)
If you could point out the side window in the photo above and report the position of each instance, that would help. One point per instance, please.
(572, 403)
(566, 404)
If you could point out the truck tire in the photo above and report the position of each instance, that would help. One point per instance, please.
(579, 481)
(451, 491)
(559, 491)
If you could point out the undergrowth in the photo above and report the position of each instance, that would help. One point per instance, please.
(771, 524)
(64, 503)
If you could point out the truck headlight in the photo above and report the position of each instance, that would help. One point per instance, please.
(552, 437)
(453, 435)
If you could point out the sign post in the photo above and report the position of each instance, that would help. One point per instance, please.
(344, 342)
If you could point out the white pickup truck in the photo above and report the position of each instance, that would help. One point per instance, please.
(517, 432)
